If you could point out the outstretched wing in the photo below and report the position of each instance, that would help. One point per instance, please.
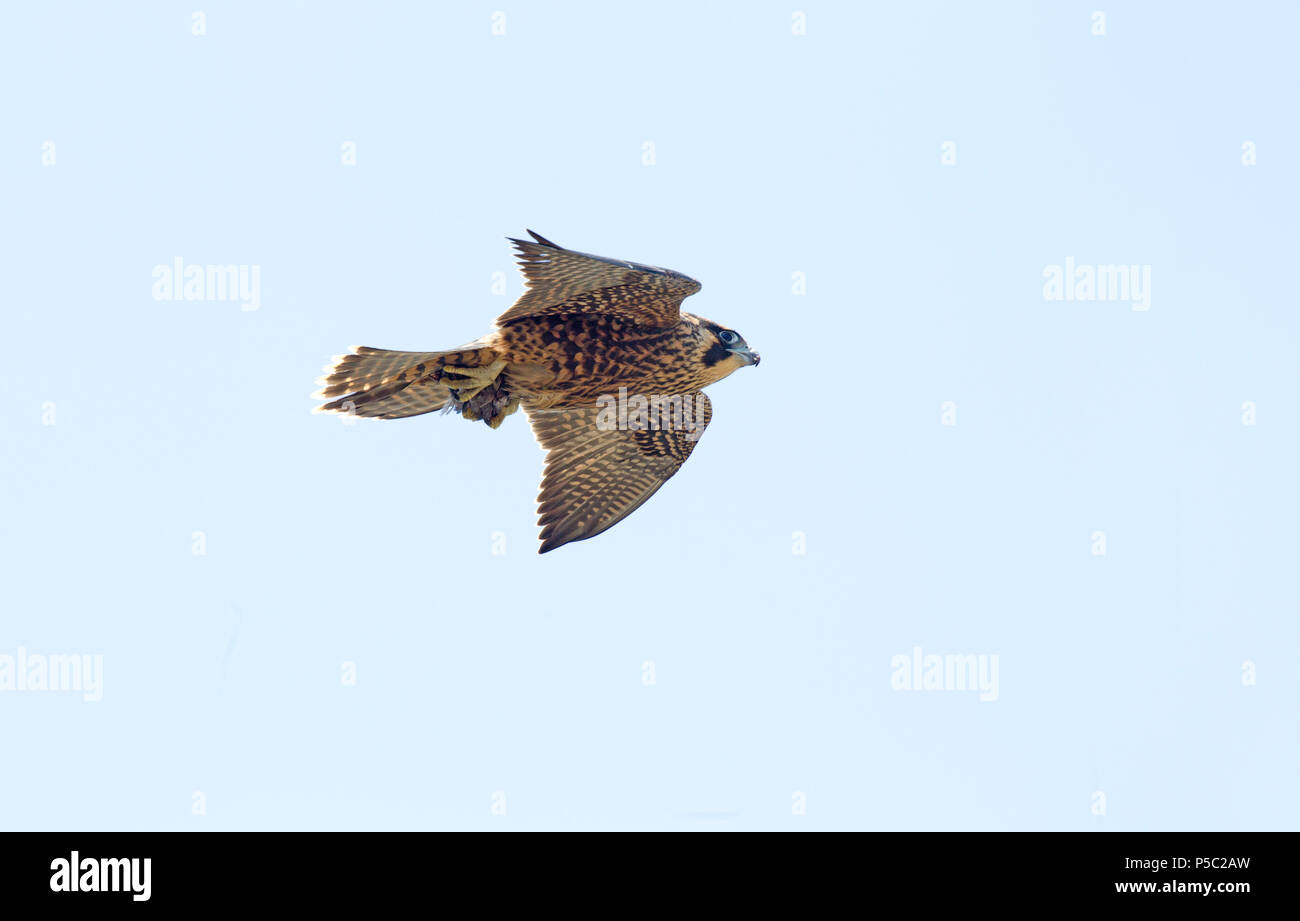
(596, 476)
(561, 281)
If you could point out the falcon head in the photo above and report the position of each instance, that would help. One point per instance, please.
(729, 346)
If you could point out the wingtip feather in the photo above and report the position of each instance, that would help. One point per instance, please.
(542, 240)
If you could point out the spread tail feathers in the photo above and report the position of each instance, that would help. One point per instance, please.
(384, 384)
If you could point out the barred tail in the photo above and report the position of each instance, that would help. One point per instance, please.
(383, 384)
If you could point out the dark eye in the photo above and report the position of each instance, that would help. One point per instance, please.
(728, 337)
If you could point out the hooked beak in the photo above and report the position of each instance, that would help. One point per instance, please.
(745, 355)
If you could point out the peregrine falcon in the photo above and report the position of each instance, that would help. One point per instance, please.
(603, 360)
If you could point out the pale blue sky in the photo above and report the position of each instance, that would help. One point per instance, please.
(774, 153)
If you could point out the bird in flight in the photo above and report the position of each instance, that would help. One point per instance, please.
(604, 362)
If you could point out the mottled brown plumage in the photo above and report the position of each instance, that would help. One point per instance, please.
(602, 359)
